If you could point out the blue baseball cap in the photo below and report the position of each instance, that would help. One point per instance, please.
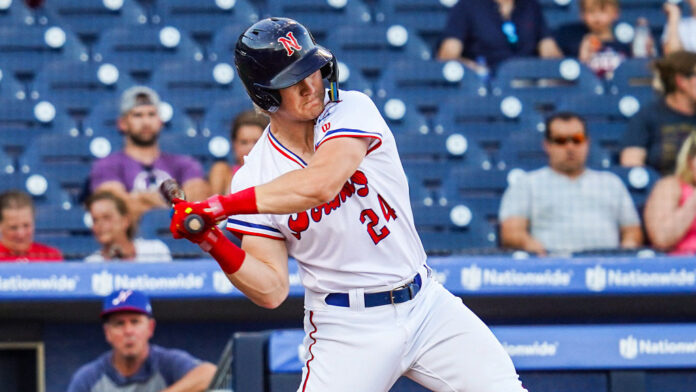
(126, 301)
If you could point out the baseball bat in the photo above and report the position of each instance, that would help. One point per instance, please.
(171, 190)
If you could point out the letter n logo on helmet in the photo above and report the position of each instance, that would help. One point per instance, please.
(289, 43)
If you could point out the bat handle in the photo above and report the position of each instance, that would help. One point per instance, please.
(194, 224)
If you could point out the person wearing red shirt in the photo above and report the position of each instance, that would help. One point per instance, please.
(17, 230)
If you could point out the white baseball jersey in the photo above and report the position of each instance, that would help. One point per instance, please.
(363, 238)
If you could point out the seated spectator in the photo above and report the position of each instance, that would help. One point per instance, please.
(567, 207)
(246, 130)
(17, 230)
(670, 212)
(679, 33)
(133, 364)
(599, 48)
(113, 229)
(483, 33)
(655, 133)
(136, 172)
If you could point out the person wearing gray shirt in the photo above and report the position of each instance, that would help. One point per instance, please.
(566, 207)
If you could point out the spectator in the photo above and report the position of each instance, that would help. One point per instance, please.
(566, 207)
(679, 33)
(246, 130)
(17, 230)
(599, 48)
(113, 229)
(656, 132)
(133, 364)
(670, 212)
(134, 174)
(483, 33)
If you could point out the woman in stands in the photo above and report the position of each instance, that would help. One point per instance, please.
(246, 130)
(113, 229)
(670, 212)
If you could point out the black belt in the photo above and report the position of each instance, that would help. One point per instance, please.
(400, 294)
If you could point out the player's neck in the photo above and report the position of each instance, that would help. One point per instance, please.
(296, 136)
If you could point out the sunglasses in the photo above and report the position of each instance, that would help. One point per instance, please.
(576, 139)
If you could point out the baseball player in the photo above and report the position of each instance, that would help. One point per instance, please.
(325, 185)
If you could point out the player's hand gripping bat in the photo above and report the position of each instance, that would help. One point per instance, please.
(171, 190)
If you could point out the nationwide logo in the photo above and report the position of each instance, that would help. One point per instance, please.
(599, 278)
(536, 349)
(473, 277)
(61, 283)
(221, 284)
(104, 282)
(630, 347)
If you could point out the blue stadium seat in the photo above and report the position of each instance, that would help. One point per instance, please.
(557, 13)
(73, 247)
(42, 188)
(195, 86)
(402, 116)
(427, 17)
(24, 50)
(55, 220)
(224, 41)
(463, 183)
(608, 136)
(203, 18)
(428, 83)
(633, 76)
(638, 180)
(525, 151)
(370, 49)
(7, 164)
(433, 148)
(9, 87)
(459, 112)
(218, 120)
(78, 86)
(486, 207)
(321, 17)
(453, 229)
(139, 50)
(607, 108)
(88, 18)
(426, 180)
(15, 13)
(541, 82)
(102, 121)
(22, 121)
(197, 147)
(349, 78)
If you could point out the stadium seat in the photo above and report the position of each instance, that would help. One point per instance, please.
(203, 18)
(88, 18)
(638, 180)
(321, 17)
(9, 87)
(633, 76)
(139, 50)
(428, 83)
(558, 12)
(608, 136)
(540, 82)
(102, 121)
(402, 117)
(15, 13)
(78, 86)
(350, 78)
(370, 49)
(218, 120)
(468, 183)
(197, 147)
(601, 108)
(42, 188)
(427, 17)
(525, 151)
(459, 112)
(24, 50)
(453, 229)
(194, 86)
(432, 148)
(7, 164)
(22, 121)
(425, 181)
(55, 220)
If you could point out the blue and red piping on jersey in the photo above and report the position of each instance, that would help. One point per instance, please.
(346, 132)
(242, 227)
(285, 151)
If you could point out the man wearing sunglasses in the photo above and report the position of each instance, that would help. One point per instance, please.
(566, 207)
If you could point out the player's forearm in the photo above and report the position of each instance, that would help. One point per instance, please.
(196, 380)
(261, 283)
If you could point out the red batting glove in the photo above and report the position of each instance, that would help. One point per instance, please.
(228, 255)
(181, 210)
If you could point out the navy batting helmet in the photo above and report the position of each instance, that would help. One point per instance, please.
(275, 53)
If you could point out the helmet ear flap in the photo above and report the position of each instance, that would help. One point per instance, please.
(267, 99)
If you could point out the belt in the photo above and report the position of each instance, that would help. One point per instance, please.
(400, 294)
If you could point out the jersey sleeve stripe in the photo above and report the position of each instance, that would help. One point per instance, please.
(243, 232)
(253, 228)
(350, 133)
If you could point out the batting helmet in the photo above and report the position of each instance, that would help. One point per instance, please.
(275, 53)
